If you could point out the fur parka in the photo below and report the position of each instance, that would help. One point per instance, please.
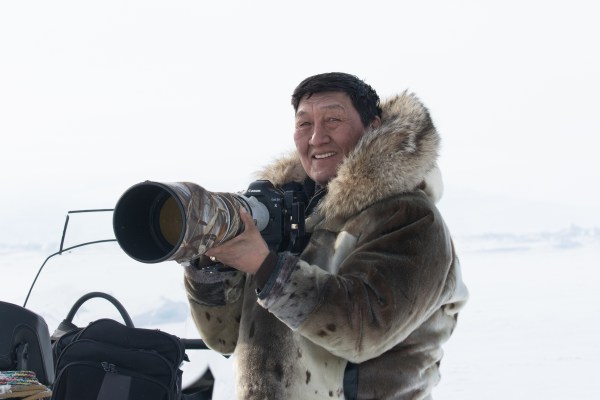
(364, 310)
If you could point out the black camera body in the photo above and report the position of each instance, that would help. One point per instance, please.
(285, 230)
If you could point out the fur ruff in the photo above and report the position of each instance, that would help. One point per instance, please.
(397, 157)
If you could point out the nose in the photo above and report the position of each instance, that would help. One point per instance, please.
(319, 136)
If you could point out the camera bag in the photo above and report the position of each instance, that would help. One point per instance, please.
(110, 361)
(25, 342)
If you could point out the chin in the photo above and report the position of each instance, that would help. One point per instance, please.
(322, 179)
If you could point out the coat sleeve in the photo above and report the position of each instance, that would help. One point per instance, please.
(391, 281)
(215, 299)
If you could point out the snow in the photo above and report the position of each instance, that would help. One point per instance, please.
(531, 326)
(529, 330)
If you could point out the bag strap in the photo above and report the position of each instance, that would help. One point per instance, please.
(113, 300)
(67, 324)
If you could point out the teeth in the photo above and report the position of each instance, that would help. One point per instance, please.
(319, 156)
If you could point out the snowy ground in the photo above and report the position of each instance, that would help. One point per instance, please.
(529, 331)
(531, 328)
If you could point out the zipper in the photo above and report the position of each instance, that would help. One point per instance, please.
(108, 367)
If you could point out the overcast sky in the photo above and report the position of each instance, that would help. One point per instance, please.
(97, 96)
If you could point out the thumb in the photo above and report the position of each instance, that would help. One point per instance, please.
(247, 218)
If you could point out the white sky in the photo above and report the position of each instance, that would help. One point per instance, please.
(97, 96)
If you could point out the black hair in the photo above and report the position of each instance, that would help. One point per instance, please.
(363, 97)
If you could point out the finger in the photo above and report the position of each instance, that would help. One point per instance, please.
(247, 218)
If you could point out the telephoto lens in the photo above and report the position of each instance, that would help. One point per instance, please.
(155, 222)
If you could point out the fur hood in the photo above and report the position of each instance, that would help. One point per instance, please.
(397, 157)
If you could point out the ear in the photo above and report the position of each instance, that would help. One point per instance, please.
(375, 123)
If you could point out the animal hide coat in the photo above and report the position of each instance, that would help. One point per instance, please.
(364, 310)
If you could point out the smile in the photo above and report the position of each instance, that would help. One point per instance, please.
(325, 155)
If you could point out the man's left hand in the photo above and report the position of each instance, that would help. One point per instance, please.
(245, 252)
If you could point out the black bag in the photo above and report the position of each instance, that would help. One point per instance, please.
(110, 361)
(25, 342)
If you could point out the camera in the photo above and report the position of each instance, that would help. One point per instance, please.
(155, 222)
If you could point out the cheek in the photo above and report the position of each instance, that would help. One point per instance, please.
(301, 143)
(347, 144)
(350, 139)
(302, 148)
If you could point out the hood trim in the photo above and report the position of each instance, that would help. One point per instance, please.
(397, 157)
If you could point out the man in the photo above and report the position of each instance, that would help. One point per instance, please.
(362, 311)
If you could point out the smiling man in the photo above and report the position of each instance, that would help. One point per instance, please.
(327, 130)
(362, 311)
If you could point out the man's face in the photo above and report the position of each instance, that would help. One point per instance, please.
(327, 129)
